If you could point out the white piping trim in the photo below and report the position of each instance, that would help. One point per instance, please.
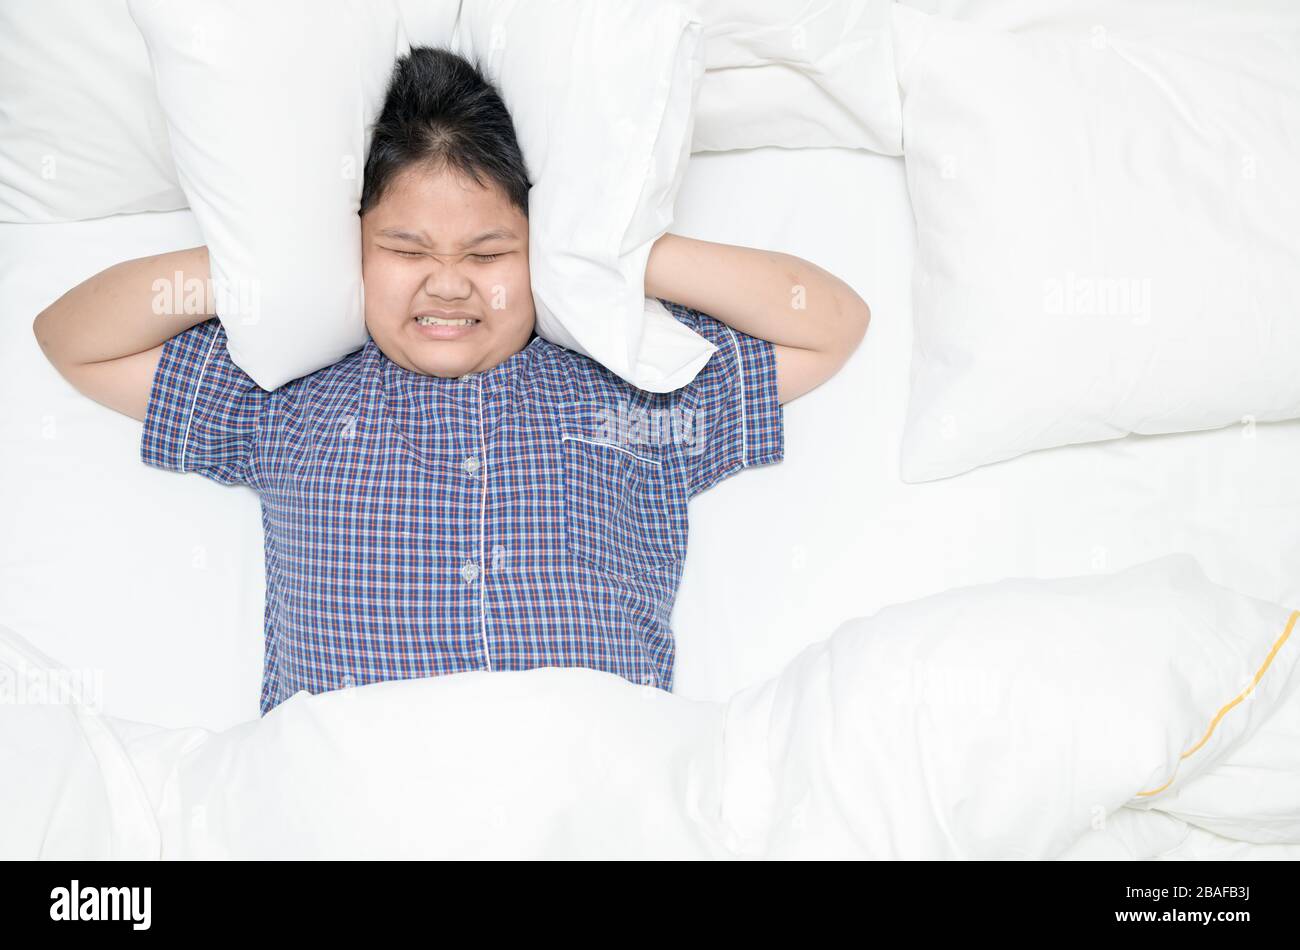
(744, 416)
(198, 385)
(566, 437)
(482, 528)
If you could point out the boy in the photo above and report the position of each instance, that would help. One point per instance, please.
(461, 494)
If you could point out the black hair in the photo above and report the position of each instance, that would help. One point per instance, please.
(441, 110)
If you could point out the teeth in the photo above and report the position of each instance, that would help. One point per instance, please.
(443, 322)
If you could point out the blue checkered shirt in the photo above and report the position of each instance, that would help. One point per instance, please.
(531, 515)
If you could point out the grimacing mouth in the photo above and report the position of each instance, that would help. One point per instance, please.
(451, 318)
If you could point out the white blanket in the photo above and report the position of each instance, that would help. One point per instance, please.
(1102, 716)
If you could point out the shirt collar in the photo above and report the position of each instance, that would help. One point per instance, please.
(403, 383)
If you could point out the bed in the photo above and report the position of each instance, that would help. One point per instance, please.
(152, 585)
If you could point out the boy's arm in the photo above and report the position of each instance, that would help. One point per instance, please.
(813, 319)
(105, 337)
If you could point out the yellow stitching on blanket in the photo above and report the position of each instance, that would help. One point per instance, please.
(1259, 674)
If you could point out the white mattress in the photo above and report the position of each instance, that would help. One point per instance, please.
(166, 570)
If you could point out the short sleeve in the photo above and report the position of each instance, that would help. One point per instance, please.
(732, 408)
(204, 414)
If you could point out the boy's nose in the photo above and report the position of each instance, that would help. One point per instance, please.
(445, 282)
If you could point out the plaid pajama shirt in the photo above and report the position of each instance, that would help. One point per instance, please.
(531, 515)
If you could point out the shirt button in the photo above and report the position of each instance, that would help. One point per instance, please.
(469, 572)
(647, 680)
(466, 377)
(471, 464)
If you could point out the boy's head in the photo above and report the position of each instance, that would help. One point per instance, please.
(444, 221)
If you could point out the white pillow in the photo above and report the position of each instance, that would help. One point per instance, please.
(1106, 235)
(269, 107)
(798, 75)
(601, 95)
(81, 133)
(1128, 17)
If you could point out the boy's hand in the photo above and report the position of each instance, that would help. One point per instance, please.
(813, 319)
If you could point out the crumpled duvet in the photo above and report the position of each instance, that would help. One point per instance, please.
(1144, 713)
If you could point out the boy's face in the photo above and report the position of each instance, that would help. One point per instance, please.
(421, 256)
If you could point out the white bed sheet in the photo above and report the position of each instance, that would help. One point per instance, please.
(165, 566)
(135, 576)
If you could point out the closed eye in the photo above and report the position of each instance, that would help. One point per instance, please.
(481, 258)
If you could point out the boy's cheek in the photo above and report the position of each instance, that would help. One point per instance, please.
(505, 291)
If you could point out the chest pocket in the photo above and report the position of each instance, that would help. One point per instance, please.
(620, 512)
